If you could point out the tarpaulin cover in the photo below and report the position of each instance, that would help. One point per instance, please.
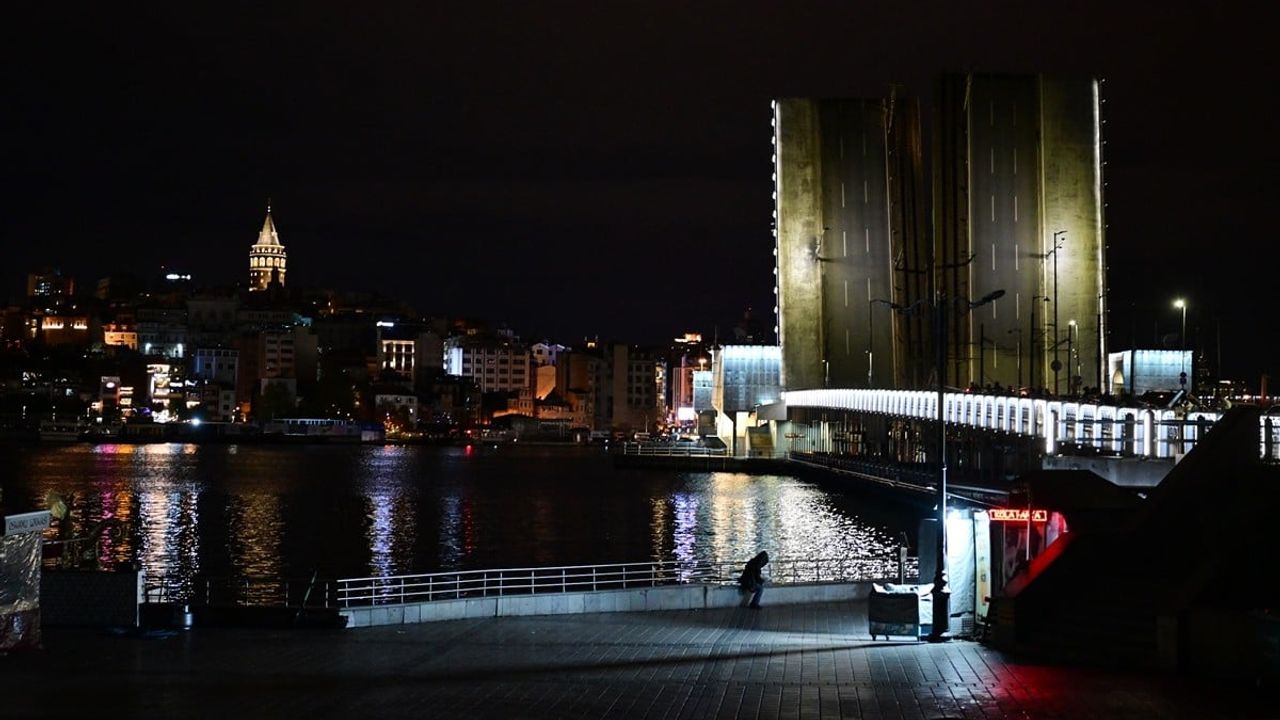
(20, 590)
(899, 609)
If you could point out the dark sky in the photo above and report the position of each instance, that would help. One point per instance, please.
(596, 167)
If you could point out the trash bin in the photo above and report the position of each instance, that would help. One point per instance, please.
(900, 610)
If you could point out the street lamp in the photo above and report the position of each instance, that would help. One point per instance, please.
(1057, 364)
(871, 338)
(1181, 304)
(1071, 364)
(942, 593)
(1031, 344)
(941, 303)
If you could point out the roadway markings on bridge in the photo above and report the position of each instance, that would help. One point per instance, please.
(844, 241)
(846, 338)
(868, 289)
(1015, 256)
(846, 293)
(866, 192)
(842, 193)
(993, 256)
(1017, 297)
(993, 207)
(866, 238)
(1015, 160)
(1015, 208)
(993, 160)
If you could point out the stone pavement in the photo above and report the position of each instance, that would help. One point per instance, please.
(807, 661)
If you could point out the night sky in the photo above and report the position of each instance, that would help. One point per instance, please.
(596, 167)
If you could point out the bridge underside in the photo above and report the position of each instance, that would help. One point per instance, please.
(973, 456)
(904, 449)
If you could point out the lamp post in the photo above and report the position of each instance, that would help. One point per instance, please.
(1057, 364)
(871, 339)
(1181, 304)
(1031, 345)
(942, 593)
(1071, 368)
(939, 308)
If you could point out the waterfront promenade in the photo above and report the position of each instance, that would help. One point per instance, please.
(804, 661)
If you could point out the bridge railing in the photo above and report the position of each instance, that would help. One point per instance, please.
(239, 591)
(427, 587)
(671, 450)
(1065, 427)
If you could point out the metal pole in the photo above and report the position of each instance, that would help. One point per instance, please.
(1183, 341)
(1019, 346)
(1071, 377)
(870, 346)
(982, 354)
(1031, 347)
(941, 593)
(1056, 362)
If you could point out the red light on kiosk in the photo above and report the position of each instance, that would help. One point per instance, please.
(1018, 515)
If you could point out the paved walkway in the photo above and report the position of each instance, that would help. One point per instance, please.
(812, 661)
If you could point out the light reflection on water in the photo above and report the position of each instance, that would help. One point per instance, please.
(253, 511)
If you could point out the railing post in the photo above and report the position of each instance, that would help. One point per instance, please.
(593, 579)
(562, 582)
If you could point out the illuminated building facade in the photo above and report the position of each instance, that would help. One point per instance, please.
(122, 334)
(493, 364)
(267, 257)
(746, 377)
(219, 365)
(163, 331)
(66, 329)
(1018, 170)
(848, 185)
(409, 352)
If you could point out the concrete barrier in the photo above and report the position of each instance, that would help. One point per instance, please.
(90, 598)
(670, 597)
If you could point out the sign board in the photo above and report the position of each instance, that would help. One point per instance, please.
(1017, 515)
(26, 522)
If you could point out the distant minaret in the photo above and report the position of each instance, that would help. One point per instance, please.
(267, 256)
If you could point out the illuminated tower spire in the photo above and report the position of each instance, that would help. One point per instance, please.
(267, 256)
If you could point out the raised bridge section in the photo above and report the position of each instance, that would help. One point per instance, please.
(1064, 426)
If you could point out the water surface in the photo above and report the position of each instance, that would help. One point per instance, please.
(343, 511)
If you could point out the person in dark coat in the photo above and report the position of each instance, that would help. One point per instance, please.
(752, 581)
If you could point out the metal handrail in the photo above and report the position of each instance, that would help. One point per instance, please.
(460, 584)
(239, 592)
(453, 585)
(671, 450)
